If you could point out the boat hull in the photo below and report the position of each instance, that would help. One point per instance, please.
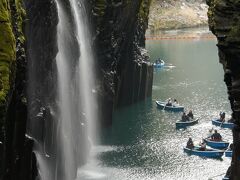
(228, 153)
(225, 178)
(216, 122)
(217, 144)
(180, 124)
(158, 65)
(210, 153)
(162, 105)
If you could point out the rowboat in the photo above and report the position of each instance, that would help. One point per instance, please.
(175, 108)
(183, 124)
(228, 153)
(159, 65)
(211, 153)
(225, 178)
(217, 122)
(216, 144)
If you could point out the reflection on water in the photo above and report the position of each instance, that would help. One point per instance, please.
(143, 142)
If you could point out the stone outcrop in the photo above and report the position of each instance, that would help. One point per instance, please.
(224, 20)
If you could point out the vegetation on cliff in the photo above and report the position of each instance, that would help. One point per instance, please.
(7, 54)
(13, 107)
(175, 14)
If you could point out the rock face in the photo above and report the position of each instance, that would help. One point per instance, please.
(15, 148)
(224, 19)
(125, 72)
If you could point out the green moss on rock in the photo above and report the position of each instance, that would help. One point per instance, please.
(11, 22)
(7, 53)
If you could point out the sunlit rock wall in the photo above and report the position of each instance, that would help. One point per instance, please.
(224, 22)
(119, 39)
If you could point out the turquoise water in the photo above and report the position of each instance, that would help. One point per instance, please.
(143, 142)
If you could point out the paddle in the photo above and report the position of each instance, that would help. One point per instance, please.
(221, 124)
(164, 106)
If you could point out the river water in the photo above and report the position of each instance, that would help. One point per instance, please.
(143, 142)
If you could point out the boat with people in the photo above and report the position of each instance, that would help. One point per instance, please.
(216, 144)
(184, 124)
(173, 107)
(208, 152)
(159, 63)
(218, 122)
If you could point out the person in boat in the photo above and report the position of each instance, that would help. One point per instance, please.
(185, 117)
(175, 102)
(169, 102)
(216, 136)
(190, 144)
(210, 132)
(202, 146)
(222, 116)
(190, 114)
(158, 61)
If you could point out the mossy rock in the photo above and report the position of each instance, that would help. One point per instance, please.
(7, 54)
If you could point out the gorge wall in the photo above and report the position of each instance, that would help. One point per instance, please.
(224, 19)
(15, 148)
(119, 37)
(123, 68)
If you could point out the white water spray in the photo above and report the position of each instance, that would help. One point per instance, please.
(76, 99)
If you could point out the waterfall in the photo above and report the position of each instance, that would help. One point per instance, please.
(75, 119)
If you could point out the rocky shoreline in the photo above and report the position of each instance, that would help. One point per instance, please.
(171, 14)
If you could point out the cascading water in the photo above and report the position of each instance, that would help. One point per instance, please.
(76, 101)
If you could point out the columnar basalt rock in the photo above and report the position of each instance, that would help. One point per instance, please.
(224, 22)
(125, 71)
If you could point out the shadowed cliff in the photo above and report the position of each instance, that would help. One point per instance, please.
(15, 148)
(125, 71)
(224, 20)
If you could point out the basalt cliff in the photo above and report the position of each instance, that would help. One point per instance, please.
(224, 19)
(28, 49)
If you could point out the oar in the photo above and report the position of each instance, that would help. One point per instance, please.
(221, 124)
(164, 106)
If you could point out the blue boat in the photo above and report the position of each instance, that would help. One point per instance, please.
(228, 153)
(174, 108)
(225, 178)
(159, 64)
(184, 124)
(216, 144)
(217, 122)
(211, 153)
